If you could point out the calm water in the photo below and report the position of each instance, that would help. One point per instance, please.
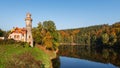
(67, 62)
(85, 57)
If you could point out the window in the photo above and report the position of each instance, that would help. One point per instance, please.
(10, 36)
(29, 36)
(14, 36)
(17, 36)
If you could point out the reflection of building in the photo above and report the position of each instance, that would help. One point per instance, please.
(23, 34)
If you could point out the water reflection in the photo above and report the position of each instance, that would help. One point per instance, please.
(56, 62)
(67, 62)
(107, 56)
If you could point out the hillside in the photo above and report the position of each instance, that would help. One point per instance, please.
(93, 35)
(19, 56)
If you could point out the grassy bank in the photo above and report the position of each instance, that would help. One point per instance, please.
(16, 54)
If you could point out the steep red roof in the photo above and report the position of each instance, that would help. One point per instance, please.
(19, 30)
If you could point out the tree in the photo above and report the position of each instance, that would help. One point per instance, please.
(46, 34)
(112, 39)
(73, 34)
(96, 35)
(51, 28)
(105, 38)
(37, 35)
(47, 41)
(93, 39)
(2, 33)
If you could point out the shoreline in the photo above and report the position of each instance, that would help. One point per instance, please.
(52, 54)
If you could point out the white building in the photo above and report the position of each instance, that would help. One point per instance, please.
(23, 34)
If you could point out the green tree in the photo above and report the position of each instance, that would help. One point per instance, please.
(51, 28)
(46, 34)
(105, 38)
(112, 39)
(93, 39)
(2, 32)
(37, 35)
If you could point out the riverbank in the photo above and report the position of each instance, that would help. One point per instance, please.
(51, 54)
(14, 55)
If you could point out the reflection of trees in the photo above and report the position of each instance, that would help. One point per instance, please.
(56, 62)
(100, 55)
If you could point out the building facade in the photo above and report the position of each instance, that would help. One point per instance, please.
(23, 34)
(18, 34)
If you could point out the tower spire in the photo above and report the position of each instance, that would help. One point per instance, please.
(28, 21)
(28, 17)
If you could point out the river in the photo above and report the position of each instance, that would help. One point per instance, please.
(85, 57)
(67, 62)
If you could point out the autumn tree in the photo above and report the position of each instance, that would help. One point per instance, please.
(46, 35)
(47, 41)
(51, 29)
(112, 38)
(98, 35)
(73, 34)
(105, 38)
(37, 35)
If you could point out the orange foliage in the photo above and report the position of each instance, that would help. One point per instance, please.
(75, 32)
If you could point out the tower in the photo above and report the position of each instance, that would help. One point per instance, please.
(28, 21)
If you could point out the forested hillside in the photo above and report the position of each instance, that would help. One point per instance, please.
(107, 35)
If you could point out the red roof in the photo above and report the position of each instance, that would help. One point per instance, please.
(19, 30)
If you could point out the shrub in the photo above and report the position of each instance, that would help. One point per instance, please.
(11, 41)
(25, 60)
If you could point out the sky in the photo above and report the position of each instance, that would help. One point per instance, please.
(66, 14)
